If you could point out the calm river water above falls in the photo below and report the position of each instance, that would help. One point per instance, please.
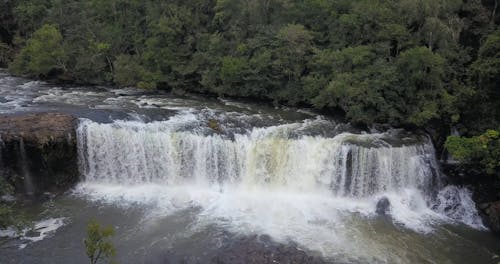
(177, 190)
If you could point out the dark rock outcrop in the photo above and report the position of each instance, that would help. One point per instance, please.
(261, 250)
(485, 189)
(39, 151)
(491, 216)
(383, 206)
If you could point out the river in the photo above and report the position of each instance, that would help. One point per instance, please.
(181, 178)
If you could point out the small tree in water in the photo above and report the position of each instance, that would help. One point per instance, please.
(97, 244)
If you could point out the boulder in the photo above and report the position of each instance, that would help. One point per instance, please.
(383, 206)
(492, 215)
(39, 151)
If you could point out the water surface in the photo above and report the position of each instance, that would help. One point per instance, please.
(180, 178)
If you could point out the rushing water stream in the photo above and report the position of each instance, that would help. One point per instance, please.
(179, 178)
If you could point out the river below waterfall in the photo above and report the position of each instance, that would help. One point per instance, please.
(182, 179)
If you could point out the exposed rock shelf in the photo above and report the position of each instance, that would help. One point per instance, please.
(39, 151)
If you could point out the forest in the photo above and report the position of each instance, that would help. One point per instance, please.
(430, 64)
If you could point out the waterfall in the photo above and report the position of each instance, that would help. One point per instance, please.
(297, 181)
(25, 170)
(347, 164)
(264, 179)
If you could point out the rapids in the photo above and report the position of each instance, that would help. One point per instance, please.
(154, 166)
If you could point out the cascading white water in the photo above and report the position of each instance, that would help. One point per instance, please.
(135, 153)
(23, 160)
(283, 180)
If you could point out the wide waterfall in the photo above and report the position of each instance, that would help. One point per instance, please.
(160, 152)
(302, 181)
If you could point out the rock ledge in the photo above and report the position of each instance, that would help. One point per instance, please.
(39, 151)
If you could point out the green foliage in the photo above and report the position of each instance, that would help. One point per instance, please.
(30, 14)
(408, 62)
(421, 81)
(42, 54)
(6, 53)
(5, 216)
(9, 217)
(97, 245)
(232, 70)
(482, 151)
(127, 71)
(348, 88)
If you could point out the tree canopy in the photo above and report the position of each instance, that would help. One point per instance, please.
(405, 62)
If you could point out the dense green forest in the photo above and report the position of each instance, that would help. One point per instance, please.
(413, 63)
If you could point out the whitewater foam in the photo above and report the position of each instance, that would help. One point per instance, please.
(42, 229)
(284, 181)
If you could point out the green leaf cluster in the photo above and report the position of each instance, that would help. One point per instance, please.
(42, 54)
(481, 151)
(97, 245)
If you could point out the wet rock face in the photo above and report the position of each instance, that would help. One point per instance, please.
(261, 250)
(485, 187)
(485, 190)
(492, 215)
(39, 151)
